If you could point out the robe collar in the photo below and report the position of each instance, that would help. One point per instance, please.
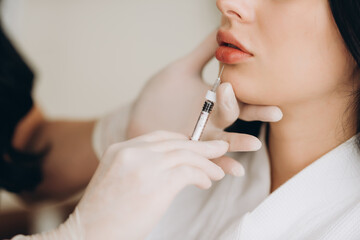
(332, 180)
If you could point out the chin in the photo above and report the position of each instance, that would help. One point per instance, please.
(248, 91)
(253, 97)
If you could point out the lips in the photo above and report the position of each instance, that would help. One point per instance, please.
(230, 50)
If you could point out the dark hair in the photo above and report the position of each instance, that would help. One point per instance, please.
(346, 14)
(18, 171)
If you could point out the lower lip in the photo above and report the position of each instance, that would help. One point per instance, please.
(230, 55)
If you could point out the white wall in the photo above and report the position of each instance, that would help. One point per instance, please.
(92, 55)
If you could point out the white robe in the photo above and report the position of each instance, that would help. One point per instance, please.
(320, 202)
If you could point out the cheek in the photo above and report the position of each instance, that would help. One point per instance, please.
(251, 86)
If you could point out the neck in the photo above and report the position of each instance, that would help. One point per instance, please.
(307, 131)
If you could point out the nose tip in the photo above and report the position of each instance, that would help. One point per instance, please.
(227, 8)
(236, 9)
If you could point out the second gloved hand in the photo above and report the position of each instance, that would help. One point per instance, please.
(137, 180)
(134, 185)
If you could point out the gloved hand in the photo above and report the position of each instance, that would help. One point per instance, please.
(172, 101)
(135, 183)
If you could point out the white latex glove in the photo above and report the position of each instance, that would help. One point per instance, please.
(135, 183)
(172, 101)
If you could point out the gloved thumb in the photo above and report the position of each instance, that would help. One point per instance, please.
(226, 110)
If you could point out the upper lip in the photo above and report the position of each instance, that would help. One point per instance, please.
(224, 38)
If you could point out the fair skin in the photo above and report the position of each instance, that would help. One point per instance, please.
(299, 64)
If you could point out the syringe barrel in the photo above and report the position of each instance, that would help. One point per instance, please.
(203, 118)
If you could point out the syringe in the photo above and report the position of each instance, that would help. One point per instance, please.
(206, 110)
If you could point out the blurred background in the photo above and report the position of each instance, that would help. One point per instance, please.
(91, 56)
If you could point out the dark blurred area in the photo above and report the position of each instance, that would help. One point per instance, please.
(15, 222)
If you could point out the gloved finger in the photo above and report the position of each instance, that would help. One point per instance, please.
(207, 149)
(161, 135)
(230, 166)
(260, 113)
(183, 157)
(226, 110)
(183, 176)
(202, 54)
(157, 136)
(238, 142)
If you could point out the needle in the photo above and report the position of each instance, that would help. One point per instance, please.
(218, 80)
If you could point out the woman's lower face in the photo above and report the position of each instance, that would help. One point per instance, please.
(294, 51)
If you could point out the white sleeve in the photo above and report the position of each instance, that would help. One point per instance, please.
(110, 129)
